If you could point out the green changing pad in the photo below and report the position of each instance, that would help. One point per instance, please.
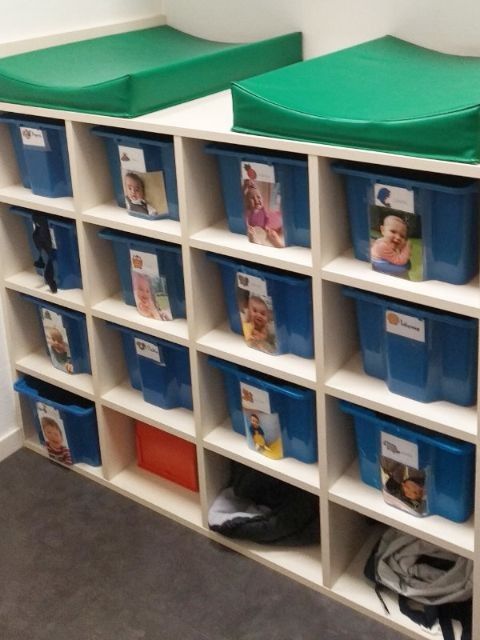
(386, 95)
(133, 73)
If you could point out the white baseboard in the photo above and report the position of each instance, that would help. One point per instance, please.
(11, 442)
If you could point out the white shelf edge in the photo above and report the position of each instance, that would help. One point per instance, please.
(463, 299)
(112, 216)
(38, 365)
(94, 473)
(115, 310)
(22, 197)
(350, 492)
(223, 343)
(226, 442)
(30, 283)
(219, 239)
(353, 384)
(128, 401)
(161, 495)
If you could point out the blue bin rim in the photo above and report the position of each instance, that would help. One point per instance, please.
(52, 218)
(436, 182)
(75, 315)
(250, 154)
(144, 336)
(35, 122)
(121, 236)
(410, 308)
(153, 139)
(22, 386)
(295, 393)
(264, 272)
(452, 445)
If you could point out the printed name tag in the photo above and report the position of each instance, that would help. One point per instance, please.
(256, 286)
(399, 450)
(254, 398)
(148, 350)
(406, 326)
(33, 137)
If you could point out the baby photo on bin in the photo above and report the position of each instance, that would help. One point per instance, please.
(149, 286)
(54, 436)
(57, 340)
(262, 427)
(144, 190)
(262, 204)
(395, 233)
(256, 314)
(404, 487)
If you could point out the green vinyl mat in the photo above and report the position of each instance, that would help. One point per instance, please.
(385, 95)
(133, 73)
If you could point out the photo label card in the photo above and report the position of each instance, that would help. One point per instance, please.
(149, 286)
(54, 435)
(262, 204)
(256, 312)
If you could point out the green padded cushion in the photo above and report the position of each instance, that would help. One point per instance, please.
(132, 73)
(386, 95)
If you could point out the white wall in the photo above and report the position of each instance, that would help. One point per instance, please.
(21, 19)
(327, 25)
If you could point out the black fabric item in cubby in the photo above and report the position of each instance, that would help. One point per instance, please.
(266, 510)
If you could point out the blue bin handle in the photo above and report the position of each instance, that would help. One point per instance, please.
(232, 369)
(124, 137)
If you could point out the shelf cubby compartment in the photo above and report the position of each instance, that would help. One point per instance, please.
(29, 353)
(12, 190)
(126, 477)
(94, 193)
(301, 563)
(117, 393)
(19, 272)
(347, 489)
(349, 584)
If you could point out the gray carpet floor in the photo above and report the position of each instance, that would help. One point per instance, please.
(80, 562)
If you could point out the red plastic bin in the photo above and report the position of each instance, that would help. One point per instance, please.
(166, 455)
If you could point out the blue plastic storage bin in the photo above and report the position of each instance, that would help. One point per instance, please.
(158, 368)
(63, 252)
(421, 353)
(289, 180)
(74, 416)
(65, 334)
(166, 259)
(40, 146)
(144, 155)
(289, 301)
(286, 411)
(448, 211)
(444, 467)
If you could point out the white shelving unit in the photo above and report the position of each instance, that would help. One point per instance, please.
(347, 506)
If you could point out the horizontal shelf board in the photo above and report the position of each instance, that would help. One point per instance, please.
(219, 239)
(110, 215)
(225, 441)
(39, 365)
(356, 591)
(302, 564)
(352, 383)
(159, 494)
(31, 283)
(18, 195)
(212, 118)
(130, 402)
(95, 473)
(349, 491)
(223, 343)
(464, 299)
(115, 310)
